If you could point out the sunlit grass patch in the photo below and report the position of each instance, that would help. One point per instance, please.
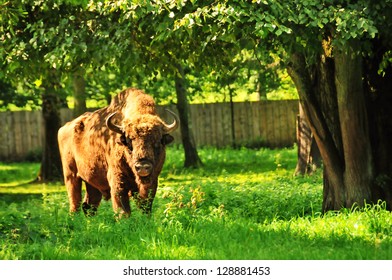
(32, 188)
(14, 174)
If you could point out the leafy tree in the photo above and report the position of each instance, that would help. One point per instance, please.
(40, 46)
(338, 54)
(22, 26)
(340, 93)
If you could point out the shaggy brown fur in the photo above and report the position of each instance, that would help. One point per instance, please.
(115, 165)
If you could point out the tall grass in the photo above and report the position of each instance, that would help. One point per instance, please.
(242, 204)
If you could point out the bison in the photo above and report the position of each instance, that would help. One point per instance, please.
(118, 151)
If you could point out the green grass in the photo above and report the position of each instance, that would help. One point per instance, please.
(242, 204)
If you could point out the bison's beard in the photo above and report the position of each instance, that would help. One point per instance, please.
(147, 182)
(144, 180)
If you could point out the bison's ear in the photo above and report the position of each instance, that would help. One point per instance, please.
(167, 139)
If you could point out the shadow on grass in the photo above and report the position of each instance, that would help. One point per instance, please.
(18, 197)
(28, 191)
(289, 244)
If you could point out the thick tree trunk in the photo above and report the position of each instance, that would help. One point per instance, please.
(79, 94)
(308, 82)
(357, 153)
(51, 169)
(191, 156)
(333, 94)
(309, 158)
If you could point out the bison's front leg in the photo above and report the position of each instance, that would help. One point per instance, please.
(74, 190)
(119, 193)
(120, 201)
(145, 197)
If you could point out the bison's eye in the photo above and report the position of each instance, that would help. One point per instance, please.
(126, 142)
(122, 140)
(157, 149)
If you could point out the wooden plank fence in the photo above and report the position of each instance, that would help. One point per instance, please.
(263, 123)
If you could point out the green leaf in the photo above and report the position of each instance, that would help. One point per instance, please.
(372, 31)
(320, 24)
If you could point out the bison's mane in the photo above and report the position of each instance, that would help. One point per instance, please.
(132, 102)
(144, 125)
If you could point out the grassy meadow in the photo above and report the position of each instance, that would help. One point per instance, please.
(242, 204)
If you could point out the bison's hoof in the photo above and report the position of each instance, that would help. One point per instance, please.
(89, 210)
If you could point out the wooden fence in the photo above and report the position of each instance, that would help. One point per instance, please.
(265, 123)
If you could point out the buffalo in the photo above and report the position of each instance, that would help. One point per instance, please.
(118, 151)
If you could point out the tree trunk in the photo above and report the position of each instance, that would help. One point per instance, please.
(334, 99)
(191, 156)
(308, 87)
(79, 94)
(233, 142)
(51, 169)
(260, 87)
(357, 154)
(309, 158)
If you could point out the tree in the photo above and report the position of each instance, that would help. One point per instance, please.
(191, 156)
(336, 100)
(51, 169)
(336, 94)
(39, 47)
(23, 57)
(338, 54)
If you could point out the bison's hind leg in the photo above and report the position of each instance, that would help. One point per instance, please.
(92, 200)
(106, 194)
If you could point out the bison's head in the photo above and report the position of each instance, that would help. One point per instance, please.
(145, 138)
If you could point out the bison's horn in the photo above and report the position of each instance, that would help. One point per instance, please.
(111, 125)
(174, 125)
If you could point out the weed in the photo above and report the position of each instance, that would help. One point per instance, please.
(380, 219)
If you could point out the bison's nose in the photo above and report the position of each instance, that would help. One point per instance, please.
(143, 168)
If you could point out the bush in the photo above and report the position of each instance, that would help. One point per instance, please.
(34, 155)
